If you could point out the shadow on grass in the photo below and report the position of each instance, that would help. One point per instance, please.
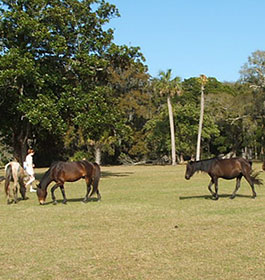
(211, 198)
(74, 200)
(106, 174)
(38, 175)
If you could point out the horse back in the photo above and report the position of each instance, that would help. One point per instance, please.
(230, 168)
(70, 171)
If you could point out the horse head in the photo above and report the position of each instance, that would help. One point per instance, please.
(190, 170)
(42, 194)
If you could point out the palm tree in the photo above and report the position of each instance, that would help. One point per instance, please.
(203, 81)
(168, 87)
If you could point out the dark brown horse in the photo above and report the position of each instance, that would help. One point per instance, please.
(61, 172)
(226, 169)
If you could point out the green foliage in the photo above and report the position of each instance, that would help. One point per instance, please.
(65, 83)
(80, 155)
(51, 53)
(157, 136)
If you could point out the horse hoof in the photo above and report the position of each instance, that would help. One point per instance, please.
(85, 200)
(55, 202)
(64, 202)
(232, 196)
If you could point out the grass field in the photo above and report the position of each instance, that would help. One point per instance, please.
(151, 224)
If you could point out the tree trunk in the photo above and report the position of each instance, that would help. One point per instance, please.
(98, 153)
(20, 139)
(172, 131)
(198, 151)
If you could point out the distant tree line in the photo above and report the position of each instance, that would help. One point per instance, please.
(70, 92)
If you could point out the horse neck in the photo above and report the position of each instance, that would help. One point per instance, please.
(203, 165)
(45, 180)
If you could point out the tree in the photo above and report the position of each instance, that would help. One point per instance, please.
(203, 81)
(106, 115)
(168, 87)
(253, 74)
(41, 41)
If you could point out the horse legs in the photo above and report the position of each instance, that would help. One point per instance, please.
(95, 188)
(63, 194)
(215, 196)
(23, 192)
(238, 179)
(61, 185)
(209, 187)
(248, 178)
(52, 193)
(88, 185)
(7, 189)
(98, 195)
(93, 182)
(15, 193)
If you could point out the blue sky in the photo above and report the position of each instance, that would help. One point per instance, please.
(192, 37)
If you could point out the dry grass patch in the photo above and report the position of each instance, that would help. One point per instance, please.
(150, 224)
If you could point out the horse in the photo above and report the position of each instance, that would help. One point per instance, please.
(14, 173)
(61, 172)
(226, 169)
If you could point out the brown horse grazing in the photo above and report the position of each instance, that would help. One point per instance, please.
(226, 169)
(14, 173)
(61, 172)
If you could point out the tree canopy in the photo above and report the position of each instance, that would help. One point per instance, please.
(70, 92)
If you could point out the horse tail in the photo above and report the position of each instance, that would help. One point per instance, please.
(2, 178)
(255, 178)
(8, 177)
(96, 175)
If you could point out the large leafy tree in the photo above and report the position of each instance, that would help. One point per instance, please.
(129, 80)
(42, 42)
(253, 75)
(113, 109)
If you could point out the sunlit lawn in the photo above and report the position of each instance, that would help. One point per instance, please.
(150, 224)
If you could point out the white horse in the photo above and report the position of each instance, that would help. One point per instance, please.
(14, 173)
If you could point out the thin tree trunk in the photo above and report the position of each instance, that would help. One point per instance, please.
(98, 153)
(20, 138)
(172, 131)
(198, 151)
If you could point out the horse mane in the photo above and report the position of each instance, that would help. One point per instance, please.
(204, 165)
(46, 177)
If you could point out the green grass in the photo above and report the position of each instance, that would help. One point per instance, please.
(151, 224)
